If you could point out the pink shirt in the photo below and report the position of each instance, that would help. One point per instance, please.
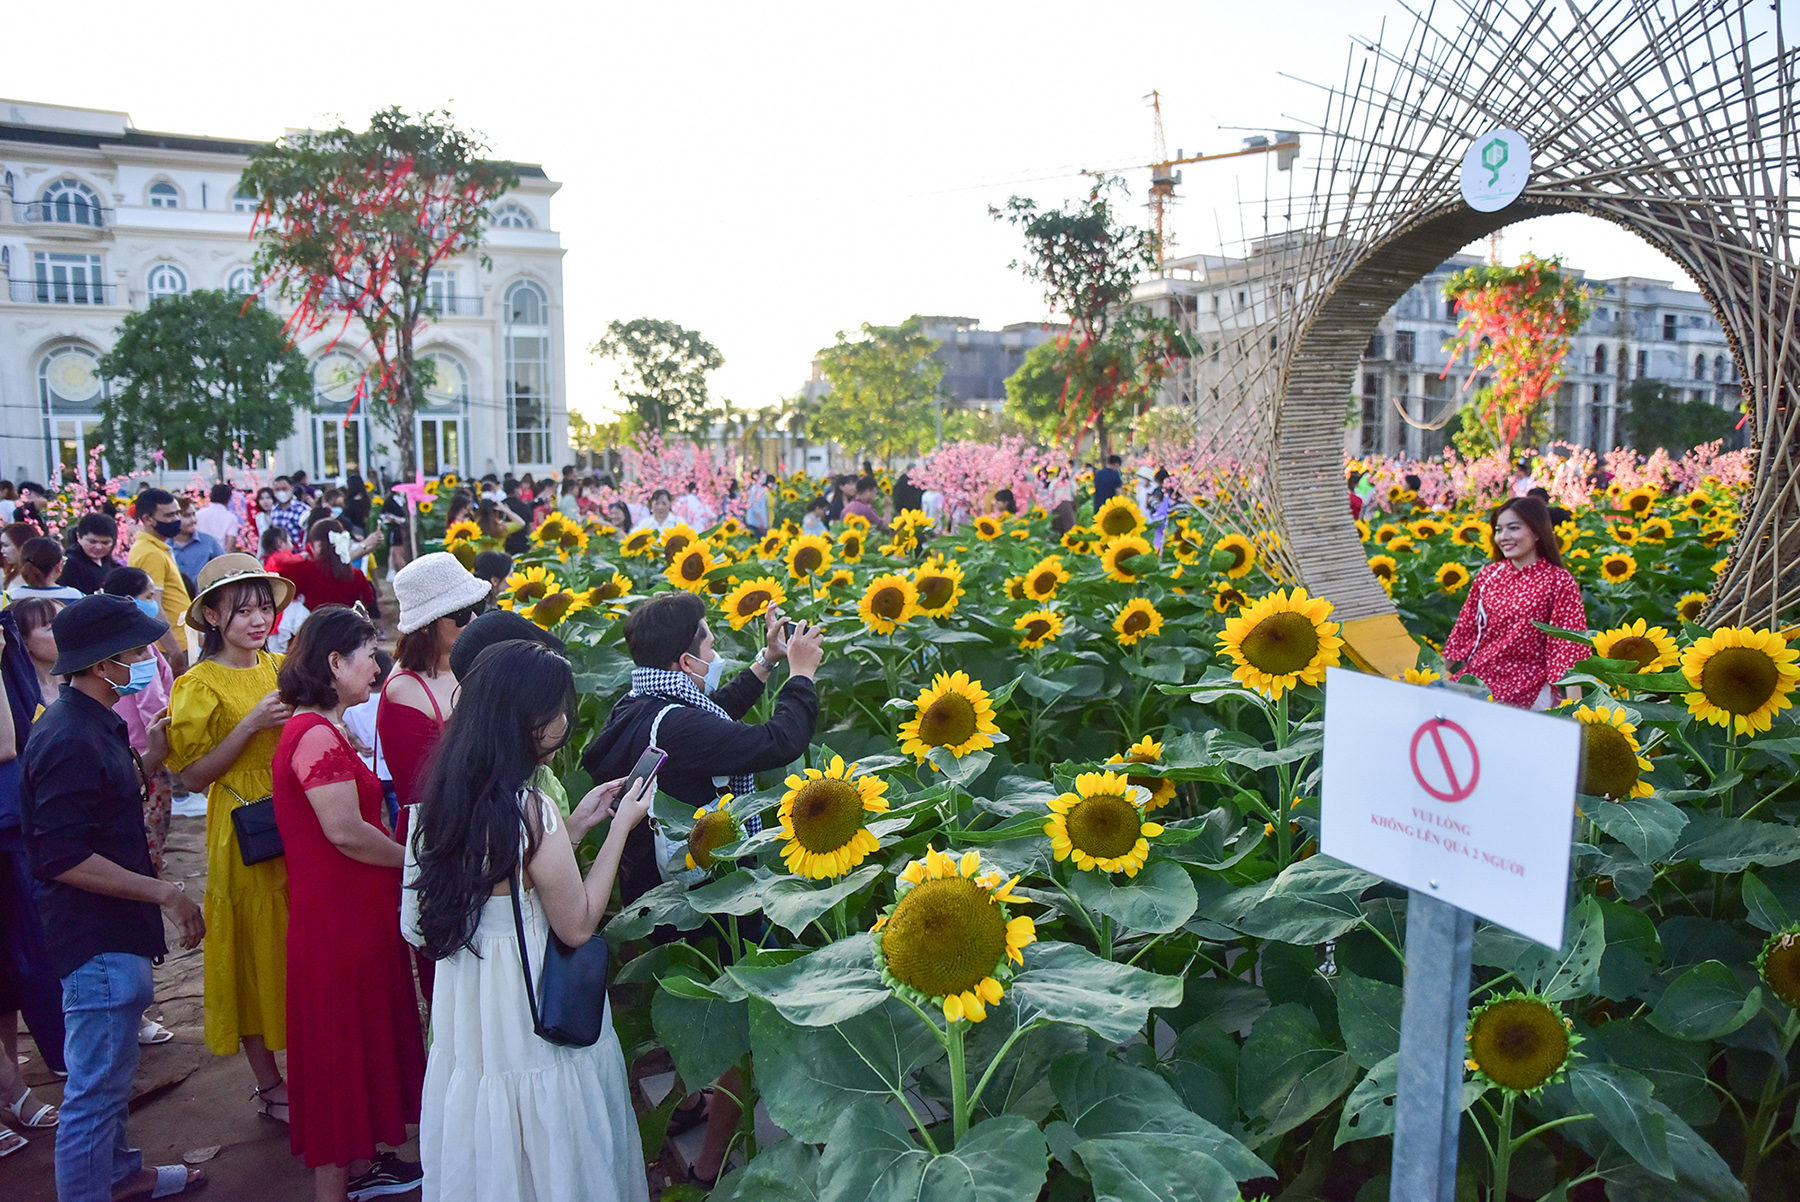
(1495, 635)
(141, 709)
(863, 509)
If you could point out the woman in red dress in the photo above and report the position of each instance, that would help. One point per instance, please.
(356, 1056)
(325, 577)
(1494, 637)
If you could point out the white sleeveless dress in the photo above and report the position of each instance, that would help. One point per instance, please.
(505, 1114)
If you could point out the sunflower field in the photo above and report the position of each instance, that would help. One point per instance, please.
(1040, 915)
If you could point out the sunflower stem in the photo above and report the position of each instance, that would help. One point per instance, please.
(1106, 937)
(1768, 1104)
(959, 1083)
(1503, 1148)
(994, 1065)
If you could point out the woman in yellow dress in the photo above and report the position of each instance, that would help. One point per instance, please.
(224, 721)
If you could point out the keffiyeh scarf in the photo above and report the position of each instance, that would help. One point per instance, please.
(679, 687)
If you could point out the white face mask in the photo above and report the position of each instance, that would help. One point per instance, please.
(283, 496)
(715, 672)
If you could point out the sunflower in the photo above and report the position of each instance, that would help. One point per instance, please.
(1741, 677)
(1117, 518)
(822, 816)
(1362, 529)
(1227, 596)
(1690, 606)
(1401, 544)
(450, 480)
(789, 494)
(939, 586)
(1239, 556)
(1038, 627)
(461, 532)
(771, 545)
(1138, 619)
(1452, 578)
(1617, 566)
(1099, 826)
(1471, 533)
(1638, 501)
(838, 579)
(1520, 1042)
(954, 713)
(1079, 539)
(1042, 579)
(729, 528)
(425, 506)
(1187, 543)
(713, 829)
(1387, 532)
(1650, 647)
(1147, 751)
(1116, 558)
(856, 522)
(528, 587)
(431, 487)
(1625, 535)
(1281, 641)
(1015, 588)
(639, 543)
(676, 539)
(751, 599)
(1426, 527)
(1656, 530)
(1712, 536)
(1779, 964)
(554, 607)
(949, 938)
(808, 555)
(1610, 763)
(1420, 676)
(1697, 504)
(850, 545)
(688, 569)
(1384, 566)
(890, 600)
(618, 585)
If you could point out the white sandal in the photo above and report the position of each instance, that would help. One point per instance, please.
(21, 1112)
(11, 1141)
(152, 1032)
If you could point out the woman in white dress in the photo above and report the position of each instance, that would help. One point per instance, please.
(507, 1114)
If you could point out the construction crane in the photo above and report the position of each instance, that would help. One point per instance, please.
(1164, 178)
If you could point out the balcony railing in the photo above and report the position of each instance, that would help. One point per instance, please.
(454, 306)
(64, 212)
(64, 292)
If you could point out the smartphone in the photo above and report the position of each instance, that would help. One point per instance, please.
(647, 766)
(787, 629)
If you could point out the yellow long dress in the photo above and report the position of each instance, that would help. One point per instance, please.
(246, 905)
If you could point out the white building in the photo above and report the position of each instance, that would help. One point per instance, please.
(1407, 393)
(97, 218)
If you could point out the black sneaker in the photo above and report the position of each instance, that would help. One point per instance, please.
(388, 1175)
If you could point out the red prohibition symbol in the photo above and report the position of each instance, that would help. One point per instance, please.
(1440, 770)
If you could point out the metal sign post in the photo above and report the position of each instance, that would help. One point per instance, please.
(1433, 1018)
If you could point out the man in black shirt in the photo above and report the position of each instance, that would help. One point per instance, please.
(908, 495)
(1107, 482)
(81, 799)
(90, 556)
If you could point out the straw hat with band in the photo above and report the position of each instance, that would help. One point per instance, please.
(435, 586)
(98, 627)
(234, 568)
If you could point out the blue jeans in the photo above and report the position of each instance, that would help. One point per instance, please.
(103, 1001)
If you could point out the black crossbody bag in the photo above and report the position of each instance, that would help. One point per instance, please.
(258, 838)
(568, 1003)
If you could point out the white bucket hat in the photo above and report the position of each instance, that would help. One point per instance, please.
(433, 586)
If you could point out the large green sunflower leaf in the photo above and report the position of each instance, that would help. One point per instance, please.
(1129, 1171)
(1310, 902)
(1734, 844)
(871, 1156)
(1619, 1099)
(1369, 1016)
(823, 987)
(791, 903)
(787, 1172)
(705, 1036)
(1157, 900)
(665, 905)
(1289, 1071)
(1705, 1002)
(808, 1076)
(1648, 826)
(1069, 984)
(1104, 1098)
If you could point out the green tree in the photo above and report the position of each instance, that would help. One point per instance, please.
(1659, 417)
(663, 369)
(352, 222)
(1034, 392)
(1116, 355)
(882, 386)
(199, 375)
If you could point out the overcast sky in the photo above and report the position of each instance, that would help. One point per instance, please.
(767, 174)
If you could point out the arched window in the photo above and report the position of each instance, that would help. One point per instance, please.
(1699, 367)
(69, 201)
(513, 217)
(1719, 368)
(335, 379)
(70, 390)
(528, 372)
(242, 281)
(449, 387)
(164, 196)
(1600, 360)
(165, 279)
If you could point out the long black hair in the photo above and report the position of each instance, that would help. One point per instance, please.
(469, 814)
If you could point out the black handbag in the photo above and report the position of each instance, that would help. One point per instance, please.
(569, 1001)
(258, 838)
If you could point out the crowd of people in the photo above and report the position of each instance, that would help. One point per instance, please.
(381, 834)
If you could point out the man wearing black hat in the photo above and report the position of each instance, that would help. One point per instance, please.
(81, 797)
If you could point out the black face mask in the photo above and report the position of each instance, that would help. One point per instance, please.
(168, 529)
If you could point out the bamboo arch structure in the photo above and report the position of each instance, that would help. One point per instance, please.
(1677, 121)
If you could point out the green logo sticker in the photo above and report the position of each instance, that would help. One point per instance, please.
(1493, 157)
